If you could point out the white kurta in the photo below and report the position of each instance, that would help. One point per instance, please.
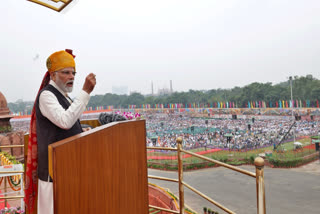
(45, 197)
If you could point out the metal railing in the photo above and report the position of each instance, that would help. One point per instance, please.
(259, 175)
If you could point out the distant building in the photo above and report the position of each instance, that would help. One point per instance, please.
(309, 76)
(152, 88)
(164, 91)
(120, 90)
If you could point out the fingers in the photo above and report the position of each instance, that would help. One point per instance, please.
(92, 75)
(86, 129)
(92, 78)
(90, 83)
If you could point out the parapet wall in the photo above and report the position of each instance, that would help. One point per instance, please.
(160, 198)
(13, 138)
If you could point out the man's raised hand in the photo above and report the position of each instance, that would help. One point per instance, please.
(89, 83)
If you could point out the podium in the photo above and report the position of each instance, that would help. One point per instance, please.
(103, 170)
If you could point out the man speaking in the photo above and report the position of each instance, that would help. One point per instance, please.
(54, 117)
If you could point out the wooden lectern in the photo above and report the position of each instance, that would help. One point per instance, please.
(103, 170)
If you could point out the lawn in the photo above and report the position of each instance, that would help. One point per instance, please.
(287, 152)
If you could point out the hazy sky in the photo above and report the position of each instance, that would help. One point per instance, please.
(199, 44)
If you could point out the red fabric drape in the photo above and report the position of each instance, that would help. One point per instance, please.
(31, 189)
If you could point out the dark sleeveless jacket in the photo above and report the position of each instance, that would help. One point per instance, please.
(48, 133)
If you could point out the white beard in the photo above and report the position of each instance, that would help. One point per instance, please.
(63, 86)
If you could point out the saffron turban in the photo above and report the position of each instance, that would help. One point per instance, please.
(60, 60)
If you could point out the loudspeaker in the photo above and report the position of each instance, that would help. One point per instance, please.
(192, 128)
(311, 117)
(234, 117)
(249, 127)
(317, 146)
(253, 120)
(206, 121)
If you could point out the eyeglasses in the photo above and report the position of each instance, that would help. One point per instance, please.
(67, 73)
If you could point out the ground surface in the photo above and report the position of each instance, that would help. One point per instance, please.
(291, 191)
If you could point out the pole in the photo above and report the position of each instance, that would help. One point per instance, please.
(261, 199)
(22, 191)
(317, 134)
(5, 192)
(180, 172)
(246, 151)
(294, 137)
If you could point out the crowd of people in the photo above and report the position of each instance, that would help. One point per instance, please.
(163, 129)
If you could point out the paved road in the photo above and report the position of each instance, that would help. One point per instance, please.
(287, 190)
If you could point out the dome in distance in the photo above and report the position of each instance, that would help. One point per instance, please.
(4, 110)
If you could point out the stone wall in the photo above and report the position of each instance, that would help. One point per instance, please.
(13, 138)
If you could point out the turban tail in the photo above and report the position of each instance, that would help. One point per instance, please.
(31, 190)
